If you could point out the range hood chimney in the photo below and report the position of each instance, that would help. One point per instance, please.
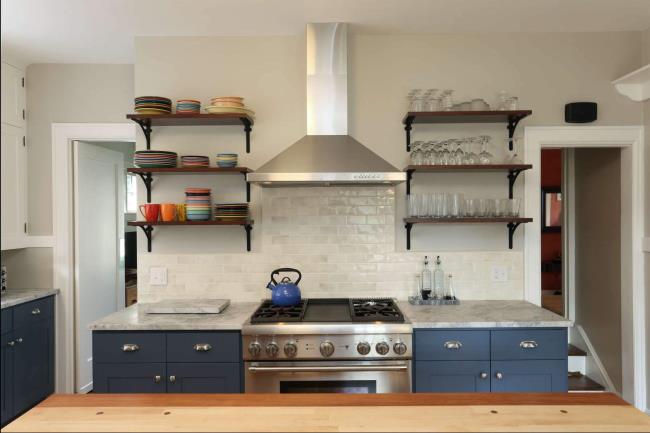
(327, 155)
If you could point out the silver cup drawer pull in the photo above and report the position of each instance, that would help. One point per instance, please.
(36, 311)
(528, 344)
(202, 347)
(453, 345)
(130, 348)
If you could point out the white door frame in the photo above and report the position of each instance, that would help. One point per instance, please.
(630, 140)
(63, 134)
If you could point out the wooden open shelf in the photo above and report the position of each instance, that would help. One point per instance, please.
(510, 117)
(147, 121)
(468, 167)
(511, 222)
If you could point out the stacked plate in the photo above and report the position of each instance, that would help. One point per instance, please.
(188, 106)
(195, 161)
(155, 159)
(225, 160)
(228, 104)
(198, 202)
(153, 105)
(231, 211)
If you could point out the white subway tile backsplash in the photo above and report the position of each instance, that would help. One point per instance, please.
(343, 241)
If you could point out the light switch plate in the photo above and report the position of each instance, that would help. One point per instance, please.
(158, 276)
(499, 274)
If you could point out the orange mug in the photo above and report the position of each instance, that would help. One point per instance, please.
(151, 212)
(168, 211)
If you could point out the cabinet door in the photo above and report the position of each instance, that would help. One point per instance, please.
(530, 376)
(204, 377)
(13, 96)
(129, 378)
(33, 364)
(452, 376)
(13, 178)
(7, 379)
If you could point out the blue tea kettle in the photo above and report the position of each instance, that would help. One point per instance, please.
(285, 293)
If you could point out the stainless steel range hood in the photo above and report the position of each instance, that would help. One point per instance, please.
(326, 155)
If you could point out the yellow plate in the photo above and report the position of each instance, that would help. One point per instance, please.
(213, 110)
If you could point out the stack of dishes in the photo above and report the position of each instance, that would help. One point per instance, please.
(231, 211)
(225, 160)
(155, 159)
(228, 104)
(198, 202)
(188, 106)
(153, 105)
(195, 161)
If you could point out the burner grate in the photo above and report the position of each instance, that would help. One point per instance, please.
(270, 313)
(375, 309)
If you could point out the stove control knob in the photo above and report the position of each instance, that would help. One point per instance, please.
(290, 349)
(382, 348)
(399, 348)
(326, 348)
(363, 348)
(272, 349)
(254, 349)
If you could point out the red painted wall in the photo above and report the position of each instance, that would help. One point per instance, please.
(551, 176)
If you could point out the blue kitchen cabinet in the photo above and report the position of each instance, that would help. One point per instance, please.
(497, 360)
(27, 356)
(175, 362)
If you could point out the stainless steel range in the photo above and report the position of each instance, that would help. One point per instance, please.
(328, 345)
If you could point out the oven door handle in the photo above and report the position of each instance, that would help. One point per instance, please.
(254, 369)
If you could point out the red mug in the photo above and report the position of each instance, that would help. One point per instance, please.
(151, 212)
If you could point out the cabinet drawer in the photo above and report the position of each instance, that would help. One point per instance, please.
(6, 320)
(452, 376)
(515, 344)
(203, 347)
(31, 312)
(452, 345)
(113, 347)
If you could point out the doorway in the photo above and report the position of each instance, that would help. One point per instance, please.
(100, 215)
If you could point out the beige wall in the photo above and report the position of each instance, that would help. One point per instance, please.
(598, 252)
(67, 93)
(28, 268)
(646, 122)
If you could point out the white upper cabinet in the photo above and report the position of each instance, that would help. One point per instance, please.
(13, 157)
(13, 96)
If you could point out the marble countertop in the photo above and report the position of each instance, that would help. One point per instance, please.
(482, 314)
(135, 318)
(13, 297)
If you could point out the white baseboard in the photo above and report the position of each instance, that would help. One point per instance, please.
(591, 352)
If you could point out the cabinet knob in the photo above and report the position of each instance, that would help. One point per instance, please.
(172, 379)
(453, 345)
(202, 347)
(11, 344)
(130, 348)
(499, 375)
(483, 375)
(19, 340)
(157, 379)
(528, 344)
(36, 311)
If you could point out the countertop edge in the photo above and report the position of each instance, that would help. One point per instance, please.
(32, 295)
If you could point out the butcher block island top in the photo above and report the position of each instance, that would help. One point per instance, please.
(331, 413)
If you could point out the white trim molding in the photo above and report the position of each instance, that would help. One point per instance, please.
(646, 244)
(630, 140)
(63, 229)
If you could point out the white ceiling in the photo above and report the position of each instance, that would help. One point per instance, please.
(102, 31)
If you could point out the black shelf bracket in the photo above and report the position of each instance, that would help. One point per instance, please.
(512, 125)
(247, 130)
(512, 227)
(147, 178)
(248, 188)
(408, 126)
(409, 177)
(408, 226)
(148, 231)
(512, 177)
(248, 228)
(145, 124)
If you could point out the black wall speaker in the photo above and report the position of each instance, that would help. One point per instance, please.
(580, 112)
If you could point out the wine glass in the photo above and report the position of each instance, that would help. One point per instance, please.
(471, 157)
(458, 154)
(485, 157)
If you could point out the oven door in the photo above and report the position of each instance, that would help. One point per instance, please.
(347, 377)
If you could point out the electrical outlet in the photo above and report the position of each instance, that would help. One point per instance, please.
(499, 274)
(158, 276)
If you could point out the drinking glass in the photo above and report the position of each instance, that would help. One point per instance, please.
(512, 103)
(423, 205)
(456, 201)
(471, 157)
(513, 206)
(444, 154)
(502, 100)
(471, 205)
(411, 97)
(416, 153)
(490, 207)
(413, 205)
(481, 208)
(447, 100)
(441, 205)
(458, 156)
(431, 102)
(485, 157)
(502, 207)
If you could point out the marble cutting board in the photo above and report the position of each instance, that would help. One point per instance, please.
(187, 306)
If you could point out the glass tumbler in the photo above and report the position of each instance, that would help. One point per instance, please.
(490, 208)
(481, 208)
(471, 205)
(513, 207)
(413, 205)
(423, 205)
(502, 207)
(456, 202)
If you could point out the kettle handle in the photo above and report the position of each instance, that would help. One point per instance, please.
(277, 272)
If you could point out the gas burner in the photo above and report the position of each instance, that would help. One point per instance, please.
(379, 309)
(270, 313)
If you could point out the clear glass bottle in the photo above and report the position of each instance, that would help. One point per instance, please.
(450, 294)
(426, 279)
(438, 280)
